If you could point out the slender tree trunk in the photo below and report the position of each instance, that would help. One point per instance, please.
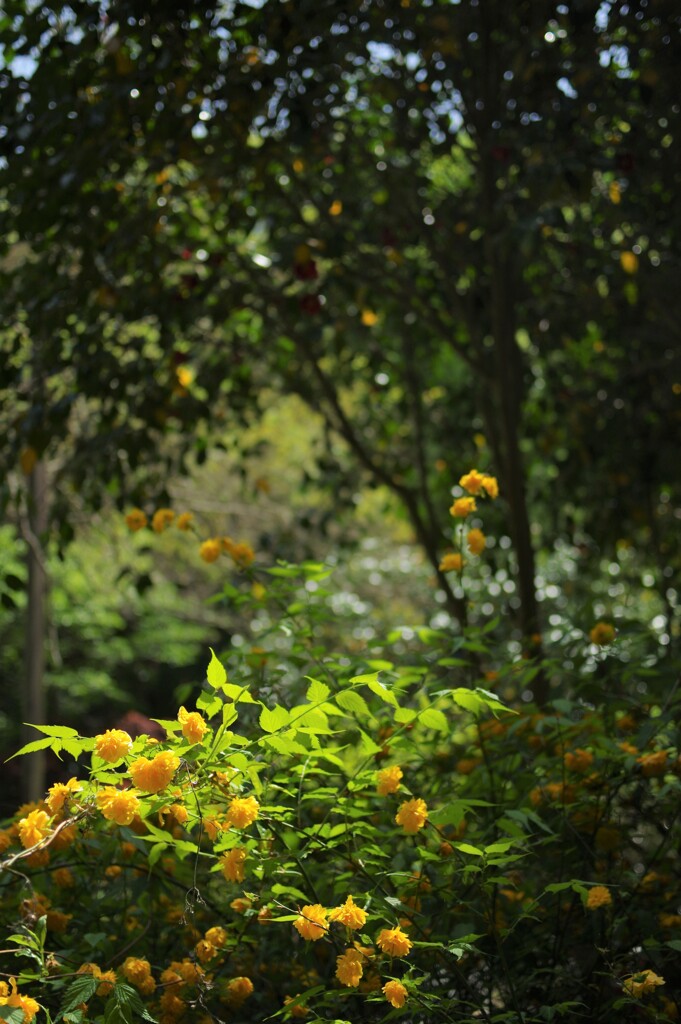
(509, 385)
(33, 703)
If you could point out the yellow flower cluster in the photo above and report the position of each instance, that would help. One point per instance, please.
(162, 518)
(59, 793)
(107, 979)
(349, 969)
(349, 914)
(138, 973)
(238, 990)
(151, 776)
(388, 780)
(412, 816)
(476, 541)
(477, 483)
(598, 896)
(112, 745)
(394, 941)
(451, 562)
(242, 811)
(602, 634)
(12, 998)
(233, 864)
(33, 828)
(311, 922)
(641, 983)
(193, 725)
(119, 805)
(395, 993)
(463, 507)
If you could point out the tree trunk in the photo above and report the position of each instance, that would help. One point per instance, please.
(33, 703)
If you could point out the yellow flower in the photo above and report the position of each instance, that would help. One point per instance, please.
(217, 936)
(193, 725)
(205, 950)
(491, 486)
(395, 993)
(641, 983)
(63, 878)
(311, 922)
(476, 542)
(472, 482)
(412, 816)
(394, 942)
(238, 990)
(655, 764)
(629, 262)
(113, 744)
(451, 562)
(242, 811)
(463, 507)
(136, 971)
(107, 980)
(350, 915)
(184, 521)
(578, 760)
(369, 318)
(602, 634)
(233, 864)
(242, 553)
(136, 520)
(299, 1010)
(210, 550)
(16, 1001)
(119, 805)
(162, 519)
(153, 776)
(598, 896)
(33, 828)
(388, 780)
(241, 904)
(349, 968)
(59, 793)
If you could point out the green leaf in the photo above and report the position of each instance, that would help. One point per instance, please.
(353, 703)
(405, 715)
(130, 1004)
(450, 814)
(674, 944)
(79, 991)
(239, 694)
(277, 718)
(474, 851)
(316, 691)
(30, 748)
(60, 732)
(434, 719)
(368, 677)
(215, 673)
(210, 704)
(382, 691)
(502, 847)
(13, 1014)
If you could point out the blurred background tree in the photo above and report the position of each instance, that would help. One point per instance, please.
(451, 229)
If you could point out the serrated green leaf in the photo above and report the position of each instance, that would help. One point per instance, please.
(353, 703)
(239, 694)
(431, 718)
(60, 732)
(316, 691)
(382, 691)
(368, 677)
(79, 991)
(284, 745)
(156, 852)
(30, 748)
(405, 715)
(502, 847)
(277, 718)
(12, 1014)
(215, 673)
(210, 704)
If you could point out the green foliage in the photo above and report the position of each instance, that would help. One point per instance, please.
(530, 857)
